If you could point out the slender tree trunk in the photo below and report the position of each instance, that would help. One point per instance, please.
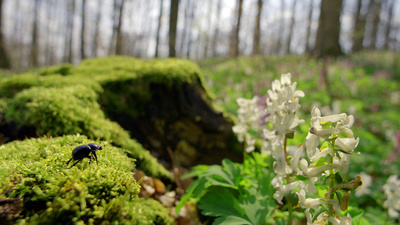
(289, 38)
(390, 8)
(256, 36)
(188, 32)
(68, 52)
(359, 29)
(34, 46)
(118, 47)
(206, 52)
(83, 28)
(4, 60)
(216, 31)
(327, 41)
(309, 19)
(234, 49)
(96, 36)
(159, 29)
(173, 21)
(280, 29)
(113, 43)
(376, 4)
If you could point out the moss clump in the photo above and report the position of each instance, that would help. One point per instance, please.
(74, 109)
(34, 170)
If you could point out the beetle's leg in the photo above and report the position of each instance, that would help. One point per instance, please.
(76, 163)
(69, 161)
(95, 157)
(90, 157)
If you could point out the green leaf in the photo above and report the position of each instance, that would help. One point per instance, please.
(232, 170)
(231, 220)
(195, 189)
(220, 202)
(320, 162)
(255, 206)
(196, 171)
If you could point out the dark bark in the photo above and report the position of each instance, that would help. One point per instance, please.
(113, 43)
(173, 21)
(158, 29)
(234, 49)
(291, 26)
(4, 59)
(216, 31)
(376, 12)
(309, 19)
(83, 28)
(278, 46)
(359, 29)
(34, 58)
(96, 36)
(390, 8)
(68, 51)
(256, 35)
(327, 41)
(118, 47)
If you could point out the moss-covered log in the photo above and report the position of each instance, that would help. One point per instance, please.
(162, 103)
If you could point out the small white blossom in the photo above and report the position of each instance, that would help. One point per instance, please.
(392, 192)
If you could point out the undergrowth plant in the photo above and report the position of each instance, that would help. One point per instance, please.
(277, 183)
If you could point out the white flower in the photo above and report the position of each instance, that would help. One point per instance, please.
(364, 188)
(282, 189)
(313, 203)
(392, 192)
(347, 144)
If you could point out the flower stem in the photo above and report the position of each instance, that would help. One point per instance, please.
(290, 208)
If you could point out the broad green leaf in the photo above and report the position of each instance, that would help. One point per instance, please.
(231, 220)
(255, 206)
(220, 202)
(194, 190)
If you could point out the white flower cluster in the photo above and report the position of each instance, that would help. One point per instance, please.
(336, 130)
(249, 115)
(392, 193)
(282, 107)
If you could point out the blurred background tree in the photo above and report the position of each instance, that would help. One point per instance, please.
(46, 32)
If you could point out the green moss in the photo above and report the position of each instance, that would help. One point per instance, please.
(72, 110)
(35, 171)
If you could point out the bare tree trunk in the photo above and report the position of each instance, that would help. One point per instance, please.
(376, 4)
(188, 31)
(289, 38)
(208, 25)
(390, 8)
(280, 29)
(96, 36)
(359, 29)
(118, 47)
(234, 49)
(34, 61)
(158, 29)
(173, 21)
(309, 19)
(113, 43)
(216, 32)
(68, 51)
(83, 28)
(4, 59)
(256, 36)
(327, 41)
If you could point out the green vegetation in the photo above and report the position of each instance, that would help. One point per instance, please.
(35, 171)
(365, 85)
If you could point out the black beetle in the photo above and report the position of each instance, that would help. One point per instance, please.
(84, 151)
